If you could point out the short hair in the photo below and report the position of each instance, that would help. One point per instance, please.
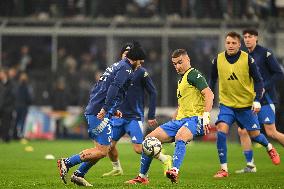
(179, 52)
(234, 35)
(251, 31)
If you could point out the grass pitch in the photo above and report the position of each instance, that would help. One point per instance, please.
(22, 169)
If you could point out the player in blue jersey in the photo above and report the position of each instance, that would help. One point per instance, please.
(240, 90)
(132, 110)
(105, 98)
(271, 73)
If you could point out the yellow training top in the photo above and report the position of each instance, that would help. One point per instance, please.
(190, 100)
(236, 87)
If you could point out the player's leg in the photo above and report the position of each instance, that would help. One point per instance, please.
(250, 121)
(267, 119)
(135, 130)
(184, 134)
(145, 162)
(271, 131)
(90, 158)
(89, 155)
(167, 160)
(226, 118)
(247, 150)
(118, 131)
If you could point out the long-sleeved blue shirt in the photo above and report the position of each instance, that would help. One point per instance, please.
(111, 89)
(270, 71)
(253, 72)
(133, 104)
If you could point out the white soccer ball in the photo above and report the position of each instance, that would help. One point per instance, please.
(151, 146)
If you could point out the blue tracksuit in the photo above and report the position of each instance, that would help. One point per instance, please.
(132, 107)
(109, 92)
(270, 71)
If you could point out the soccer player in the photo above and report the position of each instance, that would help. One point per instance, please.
(105, 98)
(132, 110)
(195, 100)
(240, 90)
(271, 73)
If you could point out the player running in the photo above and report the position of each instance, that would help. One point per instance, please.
(271, 73)
(239, 80)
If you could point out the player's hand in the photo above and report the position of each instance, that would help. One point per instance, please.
(118, 114)
(256, 106)
(206, 122)
(152, 122)
(101, 114)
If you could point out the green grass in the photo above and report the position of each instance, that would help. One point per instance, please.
(21, 169)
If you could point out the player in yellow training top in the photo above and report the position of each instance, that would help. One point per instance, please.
(240, 89)
(195, 100)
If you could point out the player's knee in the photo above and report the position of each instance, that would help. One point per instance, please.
(271, 133)
(86, 155)
(242, 132)
(253, 134)
(137, 148)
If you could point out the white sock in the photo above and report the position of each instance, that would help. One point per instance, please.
(176, 169)
(251, 164)
(224, 166)
(142, 175)
(116, 165)
(269, 147)
(162, 157)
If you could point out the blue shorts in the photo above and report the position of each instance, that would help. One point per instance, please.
(192, 123)
(133, 128)
(267, 114)
(103, 137)
(244, 117)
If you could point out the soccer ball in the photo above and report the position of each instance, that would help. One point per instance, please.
(151, 146)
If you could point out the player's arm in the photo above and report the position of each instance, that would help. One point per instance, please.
(175, 114)
(121, 77)
(213, 74)
(197, 79)
(258, 81)
(258, 84)
(275, 69)
(152, 92)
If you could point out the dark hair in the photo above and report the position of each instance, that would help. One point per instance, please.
(234, 35)
(250, 31)
(136, 52)
(125, 47)
(179, 52)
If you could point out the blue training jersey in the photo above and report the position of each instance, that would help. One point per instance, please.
(110, 90)
(270, 71)
(133, 104)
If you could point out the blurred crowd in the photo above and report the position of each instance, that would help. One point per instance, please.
(44, 9)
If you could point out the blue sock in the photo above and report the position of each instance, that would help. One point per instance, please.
(179, 153)
(248, 154)
(73, 160)
(222, 146)
(83, 169)
(261, 139)
(145, 163)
